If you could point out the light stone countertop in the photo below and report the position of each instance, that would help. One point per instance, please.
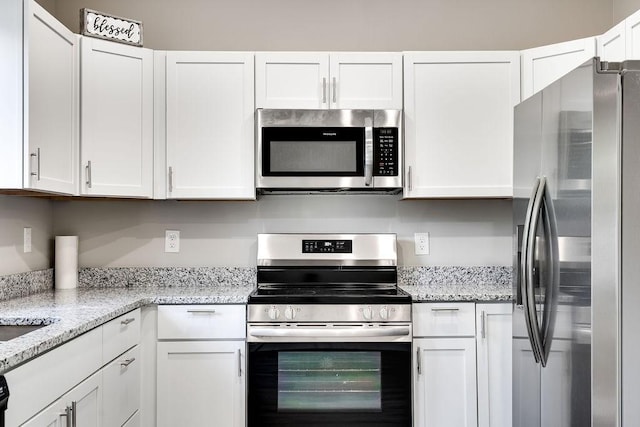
(73, 312)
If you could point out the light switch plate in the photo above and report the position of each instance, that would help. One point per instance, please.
(172, 241)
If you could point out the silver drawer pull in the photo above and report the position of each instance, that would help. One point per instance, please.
(445, 309)
(127, 362)
(127, 321)
(202, 311)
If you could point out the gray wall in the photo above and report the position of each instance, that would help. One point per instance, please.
(624, 8)
(16, 213)
(338, 25)
(131, 233)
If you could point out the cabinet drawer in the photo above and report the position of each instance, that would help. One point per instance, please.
(121, 388)
(120, 334)
(201, 321)
(444, 319)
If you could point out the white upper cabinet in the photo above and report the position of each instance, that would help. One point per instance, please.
(320, 80)
(39, 103)
(459, 123)
(117, 119)
(632, 34)
(544, 65)
(210, 125)
(611, 46)
(621, 42)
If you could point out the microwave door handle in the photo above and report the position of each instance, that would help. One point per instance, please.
(368, 151)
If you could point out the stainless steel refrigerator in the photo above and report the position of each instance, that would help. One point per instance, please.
(576, 216)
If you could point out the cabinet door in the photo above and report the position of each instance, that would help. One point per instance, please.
(366, 80)
(292, 80)
(117, 119)
(632, 34)
(543, 65)
(51, 113)
(445, 382)
(493, 341)
(210, 125)
(201, 383)
(459, 123)
(121, 391)
(82, 404)
(611, 46)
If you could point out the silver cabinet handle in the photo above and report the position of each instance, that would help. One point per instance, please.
(333, 90)
(127, 321)
(170, 179)
(127, 362)
(74, 411)
(418, 361)
(37, 156)
(410, 182)
(67, 415)
(324, 90)
(483, 325)
(87, 170)
(239, 363)
(202, 311)
(368, 151)
(445, 309)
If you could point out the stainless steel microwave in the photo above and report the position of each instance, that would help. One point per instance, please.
(328, 150)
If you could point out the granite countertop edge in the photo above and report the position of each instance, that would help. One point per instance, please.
(73, 312)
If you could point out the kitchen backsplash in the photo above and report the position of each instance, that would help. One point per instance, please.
(23, 284)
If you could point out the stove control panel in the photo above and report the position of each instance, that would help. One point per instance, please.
(327, 246)
(328, 313)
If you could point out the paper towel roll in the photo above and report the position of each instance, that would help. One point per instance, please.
(66, 268)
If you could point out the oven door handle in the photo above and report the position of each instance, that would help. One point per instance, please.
(340, 332)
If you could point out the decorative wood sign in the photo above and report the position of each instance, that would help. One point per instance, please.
(109, 27)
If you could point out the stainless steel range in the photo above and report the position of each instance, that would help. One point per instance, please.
(329, 332)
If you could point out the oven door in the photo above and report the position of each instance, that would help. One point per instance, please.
(329, 383)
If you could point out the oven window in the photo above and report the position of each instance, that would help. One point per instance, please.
(313, 156)
(329, 381)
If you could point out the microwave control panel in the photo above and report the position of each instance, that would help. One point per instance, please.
(385, 151)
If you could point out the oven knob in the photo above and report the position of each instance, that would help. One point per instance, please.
(274, 313)
(384, 313)
(367, 313)
(289, 313)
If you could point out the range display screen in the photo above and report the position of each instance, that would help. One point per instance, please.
(327, 246)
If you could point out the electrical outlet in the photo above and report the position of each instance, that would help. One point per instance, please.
(421, 243)
(27, 240)
(172, 241)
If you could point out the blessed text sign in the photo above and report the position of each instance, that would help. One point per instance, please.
(97, 24)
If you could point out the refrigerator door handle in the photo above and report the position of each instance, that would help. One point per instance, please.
(553, 281)
(533, 326)
(528, 255)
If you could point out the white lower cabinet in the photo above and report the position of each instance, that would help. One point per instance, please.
(95, 391)
(462, 364)
(493, 348)
(201, 383)
(201, 377)
(445, 385)
(80, 407)
(121, 384)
